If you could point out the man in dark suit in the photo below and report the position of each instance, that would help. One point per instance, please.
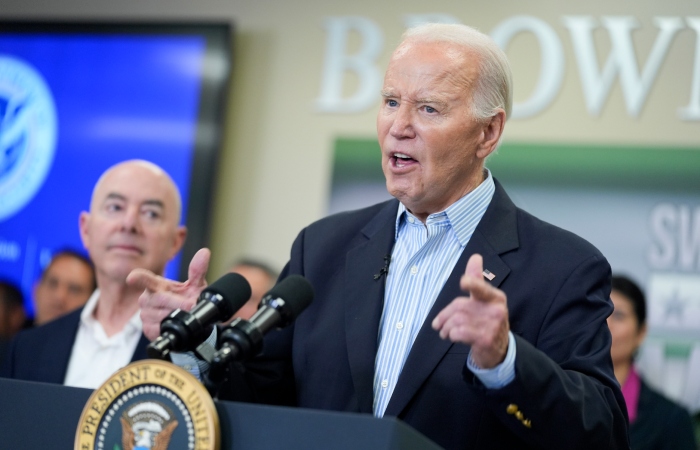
(133, 223)
(512, 352)
(12, 315)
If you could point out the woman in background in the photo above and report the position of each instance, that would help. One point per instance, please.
(655, 421)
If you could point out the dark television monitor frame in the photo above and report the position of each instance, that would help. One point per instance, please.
(213, 94)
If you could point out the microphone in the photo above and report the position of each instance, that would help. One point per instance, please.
(278, 308)
(384, 271)
(182, 331)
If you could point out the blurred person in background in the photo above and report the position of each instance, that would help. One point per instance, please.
(12, 315)
(261, 277)
(655, 422)
(65, 285)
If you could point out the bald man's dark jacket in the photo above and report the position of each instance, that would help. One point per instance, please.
(564, 395)
(42, 353)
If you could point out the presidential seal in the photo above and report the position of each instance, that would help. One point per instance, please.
(150, 405)
(28, 133)
(147, 425)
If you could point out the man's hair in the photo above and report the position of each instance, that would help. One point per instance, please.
(494, 87)
(634, 294)
(71, 253)
(10, 295)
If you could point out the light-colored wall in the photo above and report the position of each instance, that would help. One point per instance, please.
(275, 165)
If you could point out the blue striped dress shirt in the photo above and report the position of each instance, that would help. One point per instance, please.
(422, 259)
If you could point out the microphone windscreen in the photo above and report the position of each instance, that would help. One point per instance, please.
(235, 291)
(296, 291)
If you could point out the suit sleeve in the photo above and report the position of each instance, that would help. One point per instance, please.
(564, 394)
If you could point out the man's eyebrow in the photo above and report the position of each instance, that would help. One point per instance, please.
(154, 202)
(148, 202)
(115, 196)
(433, 100)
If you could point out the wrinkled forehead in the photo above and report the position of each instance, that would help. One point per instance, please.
(445, 52)
(427, 63)
(140, 182)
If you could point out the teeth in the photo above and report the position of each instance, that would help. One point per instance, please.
(401, 155)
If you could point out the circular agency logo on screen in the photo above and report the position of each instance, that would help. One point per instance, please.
(28, 131)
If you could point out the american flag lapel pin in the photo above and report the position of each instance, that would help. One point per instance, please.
(488, 275)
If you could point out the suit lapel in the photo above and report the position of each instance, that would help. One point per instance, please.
(364, 300)
(56, 357)
(140, 351)
(495, 234)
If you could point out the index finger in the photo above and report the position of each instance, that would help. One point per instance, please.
(475, 266)
(145, 279)
(473, 282)
(480, 290)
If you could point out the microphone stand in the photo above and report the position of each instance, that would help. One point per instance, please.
(243, 338)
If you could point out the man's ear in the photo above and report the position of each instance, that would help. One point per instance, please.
(178, 240)
(491, 134)
(84, 226)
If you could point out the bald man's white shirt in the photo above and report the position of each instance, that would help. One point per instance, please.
(95, 356)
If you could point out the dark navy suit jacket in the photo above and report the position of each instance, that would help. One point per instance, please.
(558, 289)
(661, 424)
(42, 353)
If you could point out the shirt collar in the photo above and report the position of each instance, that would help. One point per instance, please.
(87, 316)
(463, 215)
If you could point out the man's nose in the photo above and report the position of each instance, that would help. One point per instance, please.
(402, 126)
(61, 294)
(130, 220)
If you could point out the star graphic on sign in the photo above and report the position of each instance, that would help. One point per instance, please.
(674, 306)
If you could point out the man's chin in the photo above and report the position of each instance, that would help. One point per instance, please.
(402, 193)
(119, 270)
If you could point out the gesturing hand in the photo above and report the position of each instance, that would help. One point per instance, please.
(161, 296)
(479, 320)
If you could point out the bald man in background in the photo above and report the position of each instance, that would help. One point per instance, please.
(134, 222)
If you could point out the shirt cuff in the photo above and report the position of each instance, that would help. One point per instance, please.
(501, 375)
(189, 360)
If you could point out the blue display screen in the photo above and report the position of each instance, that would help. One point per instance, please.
(72, 105)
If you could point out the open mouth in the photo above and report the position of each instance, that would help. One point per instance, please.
(402, 160)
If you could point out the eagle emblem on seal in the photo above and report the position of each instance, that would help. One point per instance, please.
(147, 426)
